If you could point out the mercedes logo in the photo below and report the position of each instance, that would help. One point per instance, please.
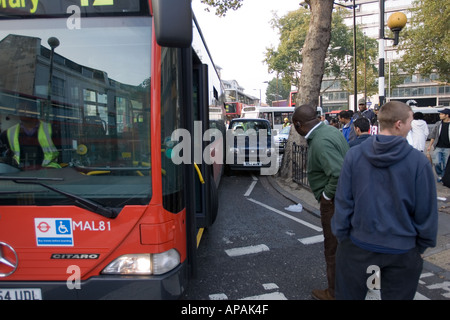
(8, 260)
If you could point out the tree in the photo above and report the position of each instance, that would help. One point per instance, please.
(277, 89)
(314, 47)
(426, 39)
(287, 61)
(314, 51)
(366, 62)
(222, 6)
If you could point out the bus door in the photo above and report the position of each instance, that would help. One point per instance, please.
(205, 190)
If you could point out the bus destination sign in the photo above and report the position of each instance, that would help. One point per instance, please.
(52, 7)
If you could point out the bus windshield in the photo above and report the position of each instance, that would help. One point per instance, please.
(75, 110)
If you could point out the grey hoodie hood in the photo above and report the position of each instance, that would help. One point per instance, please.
(382, 151)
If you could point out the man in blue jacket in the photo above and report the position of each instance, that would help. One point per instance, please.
(385, 212)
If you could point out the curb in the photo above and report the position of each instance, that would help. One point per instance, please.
(288, 195)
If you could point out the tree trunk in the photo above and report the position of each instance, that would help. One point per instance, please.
(313, 53)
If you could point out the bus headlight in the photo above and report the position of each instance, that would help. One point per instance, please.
(144, 264)
(165, 261)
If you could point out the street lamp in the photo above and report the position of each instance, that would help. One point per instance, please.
(53, 43)
(259, 95)
(396, 23)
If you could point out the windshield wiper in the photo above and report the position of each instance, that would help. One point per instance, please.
(21, 192)
(79, 201)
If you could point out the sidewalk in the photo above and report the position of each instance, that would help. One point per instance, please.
(436, 259)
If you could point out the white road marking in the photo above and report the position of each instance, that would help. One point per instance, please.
(375, 295)
(444, 286)
(425, 275)
(267, 296)
(252, 185)
(235, 252)
(218, 296)
(250, 189)
(270, 286)
(312, 240)
(307, 224)
(420, 296)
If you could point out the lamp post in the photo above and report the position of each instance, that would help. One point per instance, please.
(396, 23)
(53, 43)
(259, 95)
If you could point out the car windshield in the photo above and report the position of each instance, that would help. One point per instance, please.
(285, 130)
(250, 127)
(75, 105)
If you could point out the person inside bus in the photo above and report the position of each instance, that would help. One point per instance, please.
(286, 123)
(30, 144)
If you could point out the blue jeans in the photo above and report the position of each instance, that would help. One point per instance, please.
(440, 158)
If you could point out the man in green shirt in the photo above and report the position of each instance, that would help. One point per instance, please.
(326, 151)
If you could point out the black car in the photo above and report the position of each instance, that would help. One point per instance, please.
(250, 146)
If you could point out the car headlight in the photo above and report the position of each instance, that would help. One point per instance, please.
(144, 263)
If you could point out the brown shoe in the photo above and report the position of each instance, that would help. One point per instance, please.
(322, 295)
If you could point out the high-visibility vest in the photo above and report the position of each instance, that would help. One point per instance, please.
(45, 141)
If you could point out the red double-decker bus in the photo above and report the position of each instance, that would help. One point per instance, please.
(292, 97)
(234, 109)
(93, 204)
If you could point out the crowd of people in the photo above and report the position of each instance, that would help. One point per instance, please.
(369, 178)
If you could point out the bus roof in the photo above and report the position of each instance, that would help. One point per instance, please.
(274, 109)
(334, 112)
(428, 109)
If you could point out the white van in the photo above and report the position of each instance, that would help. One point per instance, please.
(275, 115)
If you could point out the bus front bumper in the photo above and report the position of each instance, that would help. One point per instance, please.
(168, 286)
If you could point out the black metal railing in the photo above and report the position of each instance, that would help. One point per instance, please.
(299, 153)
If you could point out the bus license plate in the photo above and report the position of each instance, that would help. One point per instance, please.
(20, 294)
(252, 164)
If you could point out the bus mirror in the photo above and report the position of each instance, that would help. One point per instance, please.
(173, 22)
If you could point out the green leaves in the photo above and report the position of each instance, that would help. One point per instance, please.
(426, 39)
(222, 6)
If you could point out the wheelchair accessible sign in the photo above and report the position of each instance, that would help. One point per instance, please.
(51, 232)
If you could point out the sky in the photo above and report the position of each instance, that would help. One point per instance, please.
(238, 41)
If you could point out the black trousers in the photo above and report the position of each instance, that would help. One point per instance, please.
(398, 274)
(330, 242)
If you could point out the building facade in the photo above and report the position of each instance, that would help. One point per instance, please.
(235, 93)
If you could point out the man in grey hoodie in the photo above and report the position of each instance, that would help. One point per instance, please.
(385, 212)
